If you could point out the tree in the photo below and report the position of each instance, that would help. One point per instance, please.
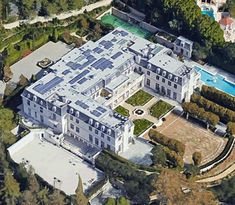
(23, 81)
(55, 35)
(80, 198)
(32, 181)
(7, 73)
(159, 156)
(84, 24)
(11, 189)
(197, 158)
(122, 201)
(231, 128)
(56, 198)
(110, 201)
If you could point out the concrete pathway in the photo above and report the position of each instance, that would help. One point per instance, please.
(217, 177)
(59, 16)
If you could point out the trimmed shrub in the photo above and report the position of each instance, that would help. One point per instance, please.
(218, 97)
(225, 114)
(231, 128)
(195, 111)
(197, 158)
(172, 144)
(175, 159)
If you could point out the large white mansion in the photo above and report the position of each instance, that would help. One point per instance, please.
(77, 97)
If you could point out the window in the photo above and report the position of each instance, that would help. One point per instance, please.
(102, 135)
(96, 132)
(77, 129)
(54, 116)
(168, 92)
(77, 121)
(148, 72)
(157, 86)
(29, 111)
(175, 96)
(108, 138)
(148, 82)
(71, 126)
(96, 141)
(108, 147)
(41, 109)
(169, 83)
(102, 144)
(157, 77)
(41, 118)
(175, 86)
(163, 80)
(90, 128)
(28, 102)
(91, 138)
(71, 117)
(36, 115)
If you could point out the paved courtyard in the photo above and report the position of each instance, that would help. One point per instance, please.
(57, 166)
(194, 136)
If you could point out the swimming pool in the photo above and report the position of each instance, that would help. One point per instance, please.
(217, 81)
(208, 12)
(116, 22)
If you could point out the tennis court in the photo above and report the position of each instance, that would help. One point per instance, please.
(116, 22)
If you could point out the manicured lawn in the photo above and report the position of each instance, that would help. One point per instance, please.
(123, 111)
(139, 99)
(141, 125)
(160, 108)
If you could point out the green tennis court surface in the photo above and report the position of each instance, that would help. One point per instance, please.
(116, 22)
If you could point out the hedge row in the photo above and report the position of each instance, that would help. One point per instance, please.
(226, 115)
(195, 111)
(175, 159)
(218, 97)
(172, 144)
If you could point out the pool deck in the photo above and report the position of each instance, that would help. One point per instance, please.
(212, 69)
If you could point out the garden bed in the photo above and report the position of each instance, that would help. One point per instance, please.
(139, 99)
(123, 111)
(141, 125)
(160, 108)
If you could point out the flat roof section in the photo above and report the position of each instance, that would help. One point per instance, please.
(54, 163)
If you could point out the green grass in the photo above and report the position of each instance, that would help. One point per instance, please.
(141, 125)
(116, 22)
(160, 108)
(123, 111)
(139, 99)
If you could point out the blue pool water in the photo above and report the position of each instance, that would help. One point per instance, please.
(209, 13)
(216, 81)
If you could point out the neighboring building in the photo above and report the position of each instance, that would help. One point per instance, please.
(183, 46)
(227, 24)
(76, 99)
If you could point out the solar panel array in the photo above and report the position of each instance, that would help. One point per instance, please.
(42, 89)
(102, 64)
(96, 113)
(81, 104)
(123, 33)
(79, 76)
(115, 56)
(98, 50)
(101, 109)
(66, 72)
(106, 44)
(83, 80)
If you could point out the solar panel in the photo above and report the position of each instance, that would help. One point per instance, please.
(73, 65)
(82, 81)
(66, 72)
(96, 113)
(42, 89)
(98, 50)
(115, 56)
(106, 44)
(79, 76)
(81, 104)
(101, 109)
(102, 64)
(87, 52)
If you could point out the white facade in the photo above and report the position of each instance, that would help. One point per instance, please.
(183, 46)
(76, 99)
